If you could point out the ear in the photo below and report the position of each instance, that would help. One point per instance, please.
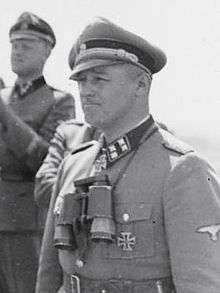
(142, 84)
(48, 50)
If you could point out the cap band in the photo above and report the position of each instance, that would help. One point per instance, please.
(143, 58)
(108, 53)
(30, 34)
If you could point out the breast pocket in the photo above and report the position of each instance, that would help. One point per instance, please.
(135, 231)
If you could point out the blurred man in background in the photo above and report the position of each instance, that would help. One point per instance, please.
(30, 111)
(2, 84)
(67, 137)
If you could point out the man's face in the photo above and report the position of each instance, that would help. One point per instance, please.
(107, 94)
(28, 56)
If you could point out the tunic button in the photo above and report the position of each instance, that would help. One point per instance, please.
(79, 263)
(126, 217)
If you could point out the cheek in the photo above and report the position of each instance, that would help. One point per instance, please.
(34, 59)
(120, 96)
(15, 54)
(80, 90)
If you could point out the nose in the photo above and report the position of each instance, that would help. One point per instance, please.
(86, 89)
(15, 53)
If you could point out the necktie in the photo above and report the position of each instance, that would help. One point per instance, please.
(22, 89)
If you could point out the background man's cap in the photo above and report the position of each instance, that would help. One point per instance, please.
(104, 43)
(30, 26)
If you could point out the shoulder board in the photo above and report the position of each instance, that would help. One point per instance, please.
(82, 147)
(57, 92)
(172, 143)
(53, 88)
(73, 122)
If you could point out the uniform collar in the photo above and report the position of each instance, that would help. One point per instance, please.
(126, 143)
(22, 90)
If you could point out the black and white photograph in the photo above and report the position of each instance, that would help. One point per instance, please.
(110, 146)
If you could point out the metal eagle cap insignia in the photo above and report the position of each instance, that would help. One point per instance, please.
(28, 18)
(24, 26)
(212, 230)
(126, 241)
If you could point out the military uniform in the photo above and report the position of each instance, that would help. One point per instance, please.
(164, 197)
(29, 117)
(138, 214)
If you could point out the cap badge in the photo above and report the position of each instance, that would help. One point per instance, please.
(126, 241)
(24, 26)
(82, 47)
(121, 53)
(27, 17)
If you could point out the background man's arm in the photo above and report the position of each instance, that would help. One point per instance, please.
(47, 174)
(50, 276)
(25, 143)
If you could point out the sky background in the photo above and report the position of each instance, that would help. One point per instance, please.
(185, 94)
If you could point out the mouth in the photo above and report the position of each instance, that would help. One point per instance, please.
(17, 61)
(91, 104)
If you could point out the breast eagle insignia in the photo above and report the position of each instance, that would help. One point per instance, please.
(212, 230)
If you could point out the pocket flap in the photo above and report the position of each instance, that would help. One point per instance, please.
(129, 212)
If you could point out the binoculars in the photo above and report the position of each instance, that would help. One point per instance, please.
(89, 210)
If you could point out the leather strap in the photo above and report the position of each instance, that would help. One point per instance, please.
(77, 284)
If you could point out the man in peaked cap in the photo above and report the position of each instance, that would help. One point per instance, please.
(138, 210)
(104, 43)
(30, 111)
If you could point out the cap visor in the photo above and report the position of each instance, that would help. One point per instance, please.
(90, 64)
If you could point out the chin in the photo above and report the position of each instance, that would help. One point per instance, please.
(93, 120)
(17, 69)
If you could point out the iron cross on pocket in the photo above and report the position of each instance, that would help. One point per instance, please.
(126, 241)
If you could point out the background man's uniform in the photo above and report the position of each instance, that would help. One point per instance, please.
(166, 198)
(67, 137)
(29, 117)
(2, 84)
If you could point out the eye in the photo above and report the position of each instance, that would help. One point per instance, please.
(14, 45)
(80, 78)
(100, 78)
(26, 47)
